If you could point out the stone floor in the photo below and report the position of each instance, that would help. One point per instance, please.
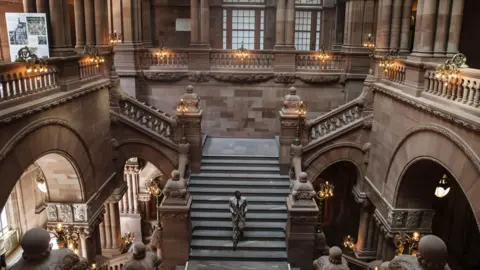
(220, 265)
(241, 147)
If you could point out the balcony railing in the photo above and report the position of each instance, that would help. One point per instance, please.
(396, 73)
(175, 60)
(230, 60)
(311, 62)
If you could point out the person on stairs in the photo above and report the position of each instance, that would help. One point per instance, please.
(238, 208)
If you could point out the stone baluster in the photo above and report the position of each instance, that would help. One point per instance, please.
(455, 27)
(443, 18)
(301, 224)
(405, 32)
(280, 23)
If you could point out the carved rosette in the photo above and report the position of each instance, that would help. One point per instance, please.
(165, 76)
(241, 78)
(80, 212)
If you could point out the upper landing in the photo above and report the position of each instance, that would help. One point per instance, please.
(240, 147)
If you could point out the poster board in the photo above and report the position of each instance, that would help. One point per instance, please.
(182, 25)
(27, 29)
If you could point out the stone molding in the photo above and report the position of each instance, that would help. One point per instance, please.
(241, 77)
(285, 78)
(324, 150)
(406, 220)
(50, 104)
(319, 79)
(427, 108)
(144, 197)
(164, 76)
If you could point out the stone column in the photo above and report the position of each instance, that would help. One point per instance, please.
(194, 22)
(88, 247)
(371, 232)
(383, 27)
(280, 23)
(355, 24)
(363, 229)
(405, 32)
(29, 6)
(129, 192)
(418, 28)
(101, 24)
(135, 182)
(79, 23)
(429, 12)
(102, 235)
(290, 24)
(441, 34)
(61, 40)
(125, 203)
(380, 243)
(147, 210)
(175, 218)
(455, 27)
(114, 224)
(108, 227)
(204, 22)
(302, 220)
(396, 24)
(339, 25)
(147, 23)
(89, 22)
(42, 7)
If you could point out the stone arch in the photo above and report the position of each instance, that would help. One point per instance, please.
(332, 154)
(39, 138)
(455, 155)
(139, 148)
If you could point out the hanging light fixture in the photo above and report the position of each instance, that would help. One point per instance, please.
(388, 61)
(349, 242)
(451, 69)
(323, 56)
(162, 52)
(443, 187)
(242, 53)
(41, 183)
(403, 240)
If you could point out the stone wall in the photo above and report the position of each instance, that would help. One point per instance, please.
(7, 6)
(245, 110)
(164, 17)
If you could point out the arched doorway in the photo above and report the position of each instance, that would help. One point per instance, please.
(341, 213)
(454, 221)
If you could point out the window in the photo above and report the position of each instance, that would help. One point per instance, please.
(243, 1)
(307, 30)
(3, 223)
(308, 2)
(243, 26)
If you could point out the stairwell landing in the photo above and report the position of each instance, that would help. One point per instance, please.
(250, 166)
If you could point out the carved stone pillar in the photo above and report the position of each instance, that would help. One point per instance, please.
(89, 22)
(61, 39)
(29, 6)
(194, 22)
(302, 220)
(354, 25)
(175, 218)
(405, 32)
(79, 23)
(424, 34)
(280, 23)
(396, 24)
(290, 24)
(455, 27)
(363, 229)
(205, 22)
(441, 34)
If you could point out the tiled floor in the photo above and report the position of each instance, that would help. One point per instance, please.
(241, 147)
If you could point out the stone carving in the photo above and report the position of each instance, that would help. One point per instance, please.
(330, 122)
(396, 218)
(427, 219)
(174, 216)
(80, 212)
(241, 78)
(50, 105)
(176, 189)
(165, 76)
(37, 254)
(302, 188)
(141, 259)
(334, 261)
(65, 213)
(322, 79)
(285, 78)
(191, 100)
(52, 212)
(291, 103)
(366, 151)
(368, 122)
(198, 77)
(413, 220)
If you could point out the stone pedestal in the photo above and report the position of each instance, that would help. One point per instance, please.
(141, 259)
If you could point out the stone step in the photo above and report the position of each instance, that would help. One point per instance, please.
(236, 265)
(250, 226)
(239, 169)
(243, 183)
(251, 208)
(240, 162)
(239, 157)
(238, 176)
(281, 192)
(240, 255)
(251, 199)
(248, 235)
(242, 245)
(226, 216)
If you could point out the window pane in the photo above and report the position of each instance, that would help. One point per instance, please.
(303, 26)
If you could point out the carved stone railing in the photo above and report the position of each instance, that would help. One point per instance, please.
(331, 121)
(396, 74)
(310, 62)
(16, 82)
(463, 89)
(230, 60)
(88, 69)
(148, 117)
(116, 263)
(174, 60)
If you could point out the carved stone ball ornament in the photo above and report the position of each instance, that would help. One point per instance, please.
(334, 261)
(176, 187)
(291, 102)
(141, 259)
(190, 100)
(302, 188)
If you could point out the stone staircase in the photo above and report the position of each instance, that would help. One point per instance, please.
(257, 178)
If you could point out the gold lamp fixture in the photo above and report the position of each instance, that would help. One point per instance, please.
(349, 242)
(66, 237)
(325, 191)
(127, 241)
(94, 55)
(154, 188)
(242, 53)
(115, 38)
(369, 42)
(99, 266)
(403, 240)
(388, 61)
(34, 64)
(323, 55)
(182, 107)
(443, 187)
(451, 68)
(162, 53)
(301, 111)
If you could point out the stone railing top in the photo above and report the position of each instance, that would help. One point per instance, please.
(350, 105)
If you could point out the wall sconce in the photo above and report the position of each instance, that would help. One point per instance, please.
(162, 52)
(99, 266)
(388, 61)
(242, 53)
(94, 55)
(66, 237)
(349, 242)
(33, 63)
(403, 240)
(323, 56)
(41, 182)
(182, 107)
(115, 38)
(451, 68)
(153, 188)
(127, 241)
(369, 43)
(324, 192)
(301, 111)
(443, 187)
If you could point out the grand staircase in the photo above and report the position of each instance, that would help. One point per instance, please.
(256, 177)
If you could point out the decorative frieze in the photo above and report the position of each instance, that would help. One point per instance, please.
(68, 213)
(285, 78)
(319, 79)
(241, 77)
(165, 76)
(419, 220)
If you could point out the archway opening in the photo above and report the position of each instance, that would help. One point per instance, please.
(454, 221)
(341, 214)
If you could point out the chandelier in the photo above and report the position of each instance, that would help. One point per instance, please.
(403, 240)
(115, 38)
(154, 188)
(325, 191)
(127, 241)
(388, 61)
(242, 53)
(443, 187)
(451, 68)
(66, 237)
(369, 42)
(349, 242)
(94, 55)
(33, 63)
(323, 56)
(162, 52)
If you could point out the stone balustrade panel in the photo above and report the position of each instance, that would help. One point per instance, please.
(88, 68)
(147, 116)
(395, 74)
(116, 263)
(312, 62)
(173, 60)
(230, 59)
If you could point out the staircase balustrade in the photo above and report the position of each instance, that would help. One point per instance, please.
(88, 68)
(148, 117)
(311, 62)
(396, 74)
(338, 118)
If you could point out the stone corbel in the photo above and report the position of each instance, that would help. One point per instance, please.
(359, 196)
